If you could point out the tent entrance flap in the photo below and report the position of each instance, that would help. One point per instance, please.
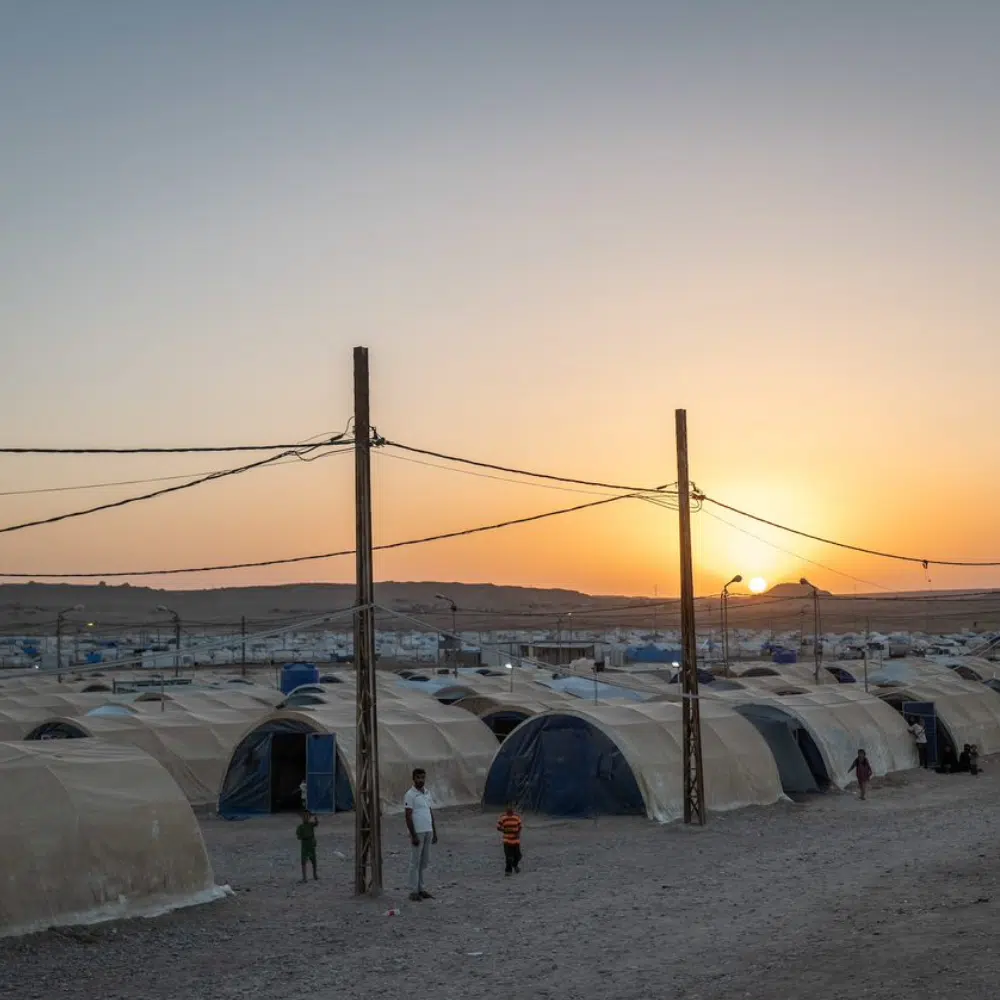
(268, 768)
(927, 714)
(321, 765)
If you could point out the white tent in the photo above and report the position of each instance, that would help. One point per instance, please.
(92, 832)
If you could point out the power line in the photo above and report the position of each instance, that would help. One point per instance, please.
(523, 472)
(288, 560)
(485, 475)
(844, 545)
(153, 479)
(796, 555)
(221, 474)
(193, 450)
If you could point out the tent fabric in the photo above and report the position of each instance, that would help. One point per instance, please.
(452, 745)
(969, 711)
(841, 720)
(91, 831)
(783, 734)
(194, 747)
(634, 742)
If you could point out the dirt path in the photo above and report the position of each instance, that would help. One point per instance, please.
(892, 898)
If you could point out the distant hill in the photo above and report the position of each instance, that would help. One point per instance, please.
(31, 608)
(795, 590)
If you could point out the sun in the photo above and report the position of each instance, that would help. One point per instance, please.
(757, 585)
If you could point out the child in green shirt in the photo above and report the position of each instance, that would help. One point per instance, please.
(306, 834)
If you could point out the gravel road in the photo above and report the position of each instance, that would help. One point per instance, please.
(891, 898)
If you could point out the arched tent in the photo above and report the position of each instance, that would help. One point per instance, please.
(505, 711)
(839, 720)
(797, 673)
(966, 711)
(193, 747)
(627, 759)
(317, 746)
(587, 689)
(91, 831)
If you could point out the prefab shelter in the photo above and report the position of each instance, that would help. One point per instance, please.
(194, 747)
(582, 760)
(90, 831)
(505, 711)
(316, 745)
(830, 724)
(964, 711)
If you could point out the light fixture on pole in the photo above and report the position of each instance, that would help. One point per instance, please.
(59, 623)
(453, 645)
(725, 621)
(163, 609)
(817, 647)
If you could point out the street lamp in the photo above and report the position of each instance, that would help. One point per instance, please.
(454, 630)
(59, 623)
(163, 609)
(725, 621)
(817, 649)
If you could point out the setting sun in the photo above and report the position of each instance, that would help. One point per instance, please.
(757, 585)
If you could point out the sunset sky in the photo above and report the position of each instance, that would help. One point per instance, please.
(552, 224)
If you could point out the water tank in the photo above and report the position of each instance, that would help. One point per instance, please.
(784, 656)
(296, 674)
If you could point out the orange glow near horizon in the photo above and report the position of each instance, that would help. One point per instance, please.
(192, 246)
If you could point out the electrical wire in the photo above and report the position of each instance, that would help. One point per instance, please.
(193, 450)
(796, 555)
(486, 475)
(288, 560)
(297, 451)
(844, 545)
(155, 479)
(383, 442)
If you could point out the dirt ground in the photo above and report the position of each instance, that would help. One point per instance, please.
(896, 897)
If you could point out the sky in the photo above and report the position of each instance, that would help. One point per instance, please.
(552, 225)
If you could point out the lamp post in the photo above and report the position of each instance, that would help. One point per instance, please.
(59, 623)
(454, 630)
(725, 621)
(163, 609)
(817, 649)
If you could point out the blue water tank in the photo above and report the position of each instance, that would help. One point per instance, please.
(784, 656)
(296, 674)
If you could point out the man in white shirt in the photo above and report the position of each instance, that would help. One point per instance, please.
(423, 833)
(920, 735)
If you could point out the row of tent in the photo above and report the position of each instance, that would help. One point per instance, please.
(121, 837)
(247, 749)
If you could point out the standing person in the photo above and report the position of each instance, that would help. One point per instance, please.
(510, 826)
(974, 759)
(423, 832)
(920, 735)
(306, 834)
(863, 768)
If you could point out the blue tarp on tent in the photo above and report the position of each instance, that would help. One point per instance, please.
(653, 654)
(583, 687)
(564, 766)
(247, 787)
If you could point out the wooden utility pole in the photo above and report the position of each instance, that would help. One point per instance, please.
(694, 780)
(367, 806)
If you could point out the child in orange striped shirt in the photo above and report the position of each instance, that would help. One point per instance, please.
(510, 826)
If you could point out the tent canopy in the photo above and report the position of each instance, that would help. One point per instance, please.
(585, 759)
(91, 831)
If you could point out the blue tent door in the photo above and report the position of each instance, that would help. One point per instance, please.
(924, 710)
(321, 767)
